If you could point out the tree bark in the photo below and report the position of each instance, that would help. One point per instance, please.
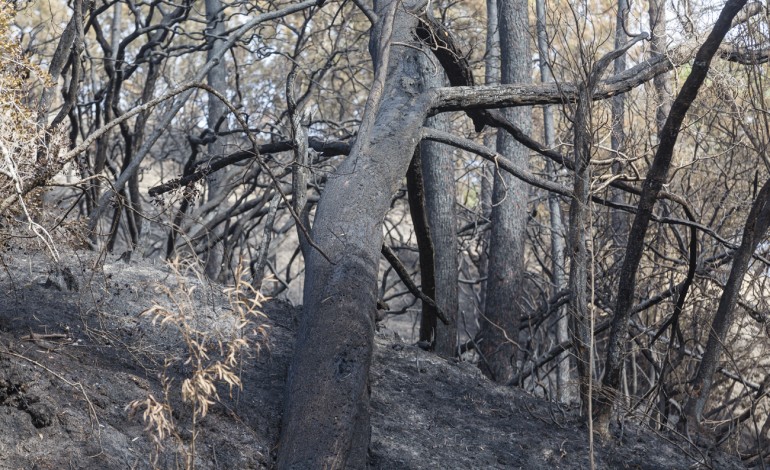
(216, 77)
(580, 328)
(499, 334)
(619, 220)
(491, 77)
(415, 185)
(439, 185)
(326, 418)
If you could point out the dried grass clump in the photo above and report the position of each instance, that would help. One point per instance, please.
(212, 356)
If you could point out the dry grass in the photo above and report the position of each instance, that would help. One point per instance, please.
(212, 358)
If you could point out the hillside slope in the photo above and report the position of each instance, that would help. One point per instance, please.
(72, 360)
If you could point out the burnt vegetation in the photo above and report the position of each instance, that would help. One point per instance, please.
(589, 226)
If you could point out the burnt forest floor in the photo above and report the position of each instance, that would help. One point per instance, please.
(75, 351)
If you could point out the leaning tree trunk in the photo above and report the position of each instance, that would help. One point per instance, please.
(653, 183)
(756, 225)
(326, 417)
(499, 332)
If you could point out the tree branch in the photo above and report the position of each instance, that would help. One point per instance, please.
(407, 280)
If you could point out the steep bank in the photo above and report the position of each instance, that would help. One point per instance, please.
(72, 360)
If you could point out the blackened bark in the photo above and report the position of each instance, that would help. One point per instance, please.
(326, 418)
(301, 167)
(656, 177)
(499, 333)
(580, 327)
(216, 77)
(451, 58)
(491, 77)
(439, 179)
(619, 220)
(439, 197)
(416, 193)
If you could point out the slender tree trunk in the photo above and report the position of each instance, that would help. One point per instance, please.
(440, 199)
(565, 383)
(754, 231)
(661, 84)
(619, 219)
(491, 77)
(578, 235)
(216, 77)
(300, 176)
(579, 223)
(656, 177)
(499, 333)
(662, 100)
(415, 185)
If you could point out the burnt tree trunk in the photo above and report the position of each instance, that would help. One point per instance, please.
(415, 186)
(439, 185)
(499, 332)
(619, 220)
(491, 77)
(326, 417)
(216, 77)
(656, 177)
(580, 324)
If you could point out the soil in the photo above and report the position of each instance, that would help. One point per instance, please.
(75, 350)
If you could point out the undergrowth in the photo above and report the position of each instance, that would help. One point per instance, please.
(211, 357)
(28, 146)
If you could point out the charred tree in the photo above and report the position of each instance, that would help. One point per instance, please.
(499, 335)
(439, 199)
(326, 417)
(656, 177)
